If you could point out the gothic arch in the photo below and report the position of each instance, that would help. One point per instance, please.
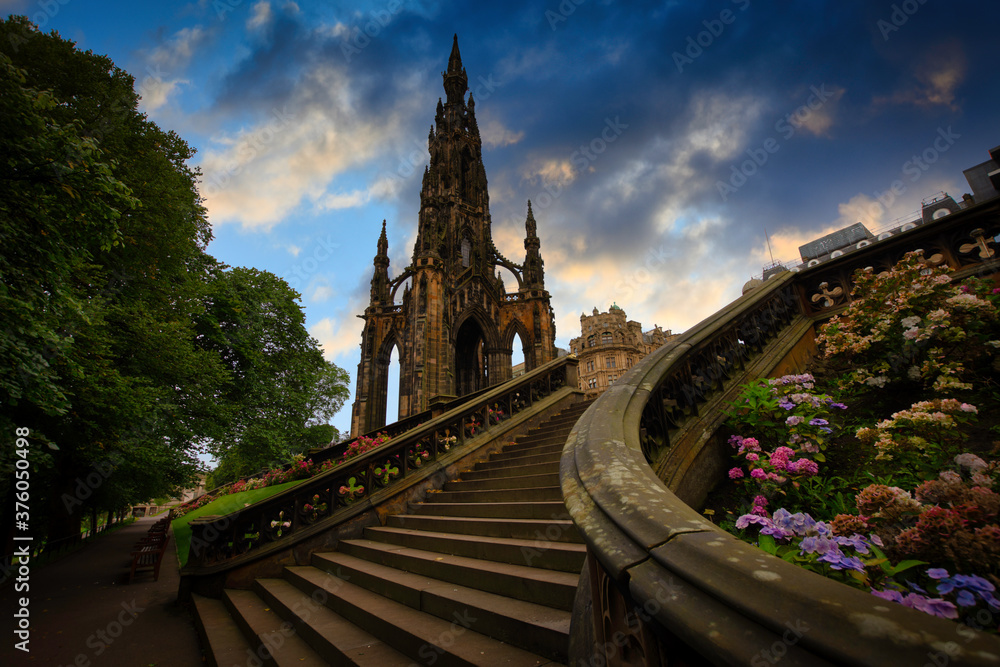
(483, 319)
(380, 377)
(518, 327)
(478, 361)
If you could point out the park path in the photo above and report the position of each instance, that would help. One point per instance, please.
(83, 611)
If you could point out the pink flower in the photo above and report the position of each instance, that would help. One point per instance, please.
(757, 473)
(736, 473)
(752, 456)
(760, 501)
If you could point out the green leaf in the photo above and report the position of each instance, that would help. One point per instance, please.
(906, 565)
(766, 542)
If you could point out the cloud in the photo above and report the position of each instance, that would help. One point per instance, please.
(260, 15)
(938, 77)
(164, 63)
(494, 135)
(339, 336)
(258, 175)
(322, 293)
(341, 200)
(155, 93)
(818, 121)
(176, 52)
(556, 172)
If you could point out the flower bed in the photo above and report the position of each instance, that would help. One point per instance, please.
(300, 468)
(904, 504)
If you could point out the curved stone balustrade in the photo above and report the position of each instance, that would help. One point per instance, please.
(663, 585)
(327, 500)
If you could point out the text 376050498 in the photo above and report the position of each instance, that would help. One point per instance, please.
(22, 482)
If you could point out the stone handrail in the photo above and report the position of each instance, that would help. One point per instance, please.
(327, 499)
(662, 584)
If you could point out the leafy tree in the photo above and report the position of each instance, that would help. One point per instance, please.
(126, 348)
(281, 391)
(102, 272)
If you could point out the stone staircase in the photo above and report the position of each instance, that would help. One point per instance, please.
(483, 572)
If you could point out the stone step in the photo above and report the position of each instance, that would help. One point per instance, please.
(549, 430)
(512, 471)
(497, 495)
(424, 637)
(511, 451)
(516, 461)
(221, 637)
(552, 588)
(266, 632)
(539, 441)
(557, 530)
(522, 482)
(551, 555)
(529, 626)
(511, 510)
(333, 637)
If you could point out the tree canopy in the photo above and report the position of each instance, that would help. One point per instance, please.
(127, 348)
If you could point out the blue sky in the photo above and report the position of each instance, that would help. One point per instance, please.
(630, 128)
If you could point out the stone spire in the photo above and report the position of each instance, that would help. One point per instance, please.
(380, 278)
(530, 227)
(534, 271)
(454, 179)
(456, 82)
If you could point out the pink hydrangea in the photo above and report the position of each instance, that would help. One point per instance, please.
(757, 473)
(736, 473)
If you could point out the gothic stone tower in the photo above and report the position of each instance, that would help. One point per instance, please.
(455, 328)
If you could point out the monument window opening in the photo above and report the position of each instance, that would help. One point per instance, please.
(471, 363)
(392, 388)
(385, 392)
(517, 355)
(609, 362)
(466, 252)
(591, 341)
(606, 338)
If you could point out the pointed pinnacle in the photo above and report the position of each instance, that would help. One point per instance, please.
(455, 60)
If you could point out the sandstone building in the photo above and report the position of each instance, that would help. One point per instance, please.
(609, 345)
(455, 326)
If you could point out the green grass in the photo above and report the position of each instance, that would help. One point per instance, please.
(220, 506)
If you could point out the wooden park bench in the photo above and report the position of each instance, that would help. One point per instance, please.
(148, 556)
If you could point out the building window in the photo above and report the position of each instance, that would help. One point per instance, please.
(590, 366)
(593, 383)
(612, 378)
(609, 362)
(591, 341)
(466, 252)
(606, 338)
